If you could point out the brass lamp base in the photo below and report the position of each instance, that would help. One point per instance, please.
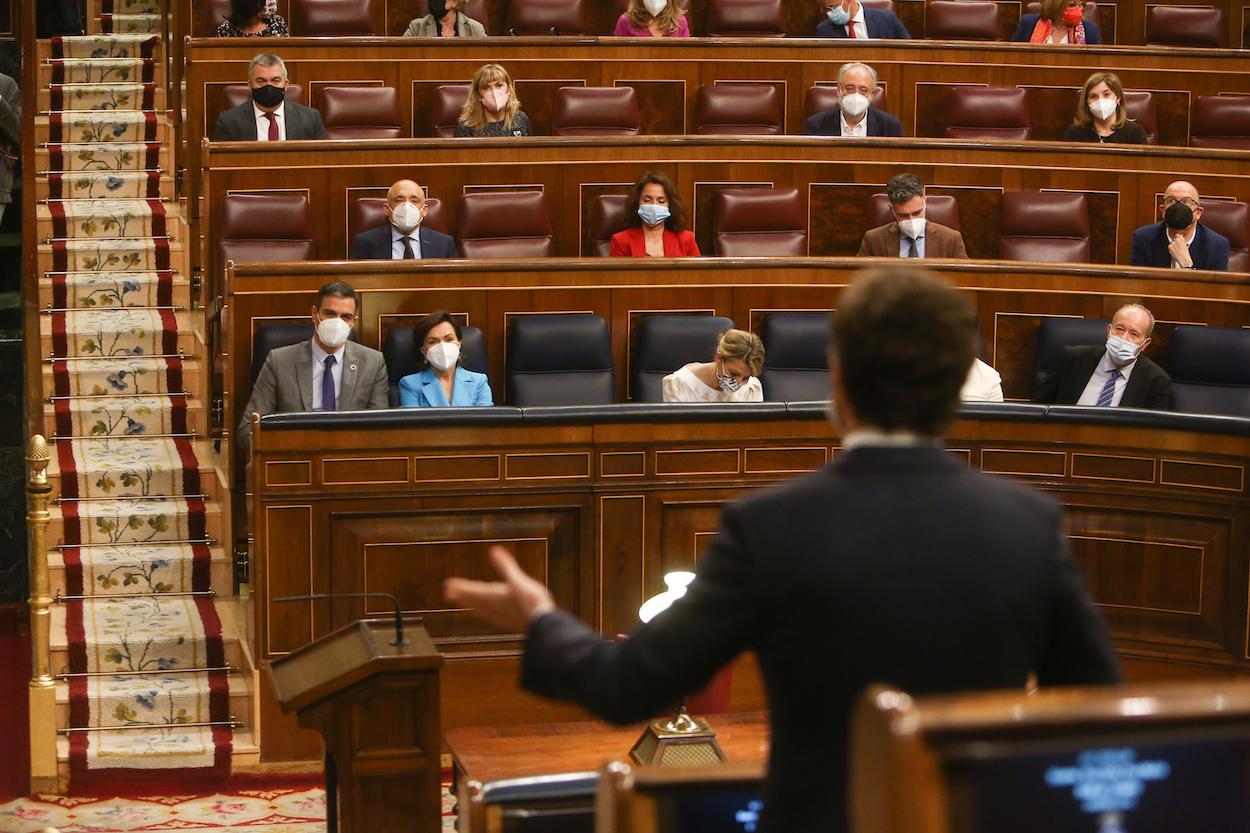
(680, 740)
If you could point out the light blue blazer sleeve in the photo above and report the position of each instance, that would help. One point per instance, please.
(422, 390)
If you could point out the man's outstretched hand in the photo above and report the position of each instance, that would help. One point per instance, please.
(509, 604)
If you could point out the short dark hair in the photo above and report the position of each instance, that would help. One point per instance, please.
(676, 208)
(422, 329)
(903, 187)
(903, 341)
(243, 12)
(337, 289)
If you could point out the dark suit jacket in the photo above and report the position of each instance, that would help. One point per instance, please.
(1208, 251)
(880, 25)
(895, 565)
(940, 241)
(238, 124)
(1029, 22)
(375, 244)
(829, 123)
(1149, 386)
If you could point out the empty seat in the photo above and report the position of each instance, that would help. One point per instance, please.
(737, 110)
(361, 113)
(666, 343)
(796, 351)
(746, 19)
(505, 224)
(402, 355)
(272, 335)
(1140, 107)
(263, 227)
(940, 208)
(759, 222)
(1231, 219)
(322, 18)
(559, 360)
(449, 100)
(1043, 226)
(988, 113)
(1184, 26)
(1221, 121)
(962, 20)
(822, 97)
(369, 212)
(546, 17)
(1210, 370)
(608, 214)
(596, 111)
(1053, 335)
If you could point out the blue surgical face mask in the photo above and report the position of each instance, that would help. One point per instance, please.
(838, 16)
(1122, 350)
(653, 213)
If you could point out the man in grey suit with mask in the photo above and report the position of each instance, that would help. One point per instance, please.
(325, 373)
(268, 117)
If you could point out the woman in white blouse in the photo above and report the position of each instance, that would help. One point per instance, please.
(731, 376)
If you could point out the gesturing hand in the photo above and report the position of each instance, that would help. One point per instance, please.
(509, 604)
(1180, 251)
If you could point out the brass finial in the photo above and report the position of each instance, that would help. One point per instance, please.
(37, 460)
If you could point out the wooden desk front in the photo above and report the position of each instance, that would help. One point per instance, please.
(602, 507)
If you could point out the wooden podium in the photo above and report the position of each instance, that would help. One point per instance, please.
(376, 706)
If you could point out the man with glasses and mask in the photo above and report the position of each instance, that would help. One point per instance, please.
(403, 237)
(852, 117)
(1179, 241)
(325, 373)
(851, 19)
(268, 117)
(911, 235)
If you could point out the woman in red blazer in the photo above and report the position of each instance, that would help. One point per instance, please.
(658, 227)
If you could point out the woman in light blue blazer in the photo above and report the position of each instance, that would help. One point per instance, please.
(442, 382)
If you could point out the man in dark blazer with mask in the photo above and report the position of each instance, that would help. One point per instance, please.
(867, 23)
(1179, 241)
(268, 116)
(896, 564)
(857, 82)
(405, 235)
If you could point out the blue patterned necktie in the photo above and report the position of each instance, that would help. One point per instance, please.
(328, 398)
(1108, 390)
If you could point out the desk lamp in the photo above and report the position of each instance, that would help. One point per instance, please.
(680, 740)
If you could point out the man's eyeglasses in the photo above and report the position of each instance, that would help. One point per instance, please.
(1168, 202)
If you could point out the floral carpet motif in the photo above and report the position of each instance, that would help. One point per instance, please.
(121, 416)
(107, 219)
(98, 157)
(95, 126)
(132, 375)
(102, 96)
(130, 23)
(112, 333)
(133, 468)
(86, 185)
(102, 70)
(103, 47)
(110, 289)
(134, 520)
(137, 569)
(110, 255)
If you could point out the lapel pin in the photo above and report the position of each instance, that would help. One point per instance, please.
(351, 367)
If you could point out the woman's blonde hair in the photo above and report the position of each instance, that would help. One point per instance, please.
(1084, 118)
(669, 19)
(739, 344)
(474, 114)
(1053, 9)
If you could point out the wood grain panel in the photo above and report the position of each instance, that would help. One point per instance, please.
(622, 464)
(622, 558)
(1202, 475)
(694, 462)
(783, 460)
(288, 473)
(364, 471)
(1023, 463)
(287, 561)
(661, 105)
(450, 468)
(562, 466)
(1108, 467)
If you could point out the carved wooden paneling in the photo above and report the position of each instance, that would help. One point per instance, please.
(784, 460)
(547, 466)
(364, 471)
(1198, 475)
(450, 468)
(287, 570)
(622, 556)
(1023, 463)
(1114, 468)
(697, 462)
(294, 473)
(622, 464)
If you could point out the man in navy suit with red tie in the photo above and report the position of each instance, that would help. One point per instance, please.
(851, 19)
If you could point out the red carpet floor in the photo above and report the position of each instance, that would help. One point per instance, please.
(14, 674)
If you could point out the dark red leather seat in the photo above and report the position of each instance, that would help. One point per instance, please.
(759, 222)
(962, 20)
(1049, 227)
(608, 215)
(1184, 26)
(596, 111)
(746, 19)
(1140, 106)
(264, 227)
(1231, 219)
(331, 18)
(448, 102)
(358, 112)
(368, 212)
(738, 110)
(513, 224)
(988, 113)
(1221, 121)
(546, 17)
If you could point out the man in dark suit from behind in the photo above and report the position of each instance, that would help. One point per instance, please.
(1116, 375)
(853, 116)
(403, 237)
(895, 564)
(1179, 241)
(912, 234)
(851, 19)
(268, 117)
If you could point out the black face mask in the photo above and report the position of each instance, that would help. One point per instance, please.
(438, 8)
(268, 95)
(1178, 216)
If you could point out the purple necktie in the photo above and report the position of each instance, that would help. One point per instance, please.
(328, 402)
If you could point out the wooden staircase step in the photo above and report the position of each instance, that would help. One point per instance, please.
(221, 570)
(209, 483)
(212, 524)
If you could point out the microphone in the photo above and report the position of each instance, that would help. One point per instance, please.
(399, 618)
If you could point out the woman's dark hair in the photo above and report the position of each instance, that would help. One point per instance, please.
(903, 341)
(243, 12)
(422, 329)
(676, 208)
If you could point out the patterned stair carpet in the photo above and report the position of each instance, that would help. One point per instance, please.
(144, 648)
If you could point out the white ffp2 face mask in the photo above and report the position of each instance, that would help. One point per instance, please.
(333, 332)
(405, 217)
(1103, 108)
(495, 100)
(444, 355)
(913, 227)
(854, 104)
(654, 7)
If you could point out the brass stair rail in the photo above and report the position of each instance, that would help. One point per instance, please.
(43, 770)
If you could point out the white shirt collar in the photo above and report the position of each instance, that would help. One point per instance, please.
(859, 18)
(1106, 366)
(319, 353)
(260, 114)
(876, 437)
(860, 129)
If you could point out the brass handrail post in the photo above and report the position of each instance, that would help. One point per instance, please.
(43, 769)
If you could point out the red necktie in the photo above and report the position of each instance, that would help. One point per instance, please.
(850, 29)
(273, 126)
